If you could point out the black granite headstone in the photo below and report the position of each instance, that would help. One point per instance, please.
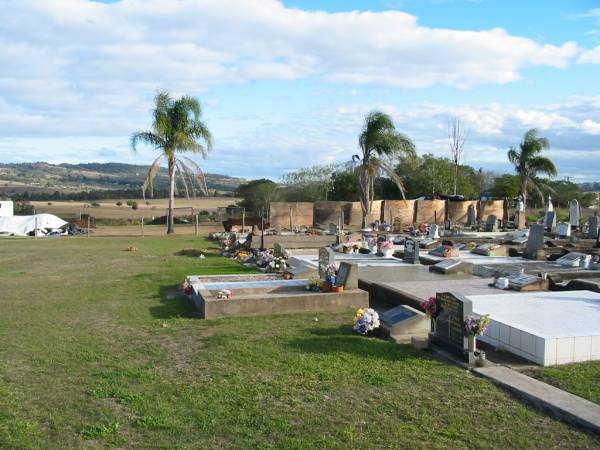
(453, 311)
(411, 251)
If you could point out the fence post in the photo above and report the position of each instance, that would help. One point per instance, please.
(88, 225)
(36, 226)
(142, 226)
(243, 219)
(196, 225)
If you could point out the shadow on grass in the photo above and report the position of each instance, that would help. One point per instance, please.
(342, 339)
(173, 304)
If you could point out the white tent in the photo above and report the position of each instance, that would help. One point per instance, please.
(23, 225)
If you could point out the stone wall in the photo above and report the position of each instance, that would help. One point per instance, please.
(488, 207)
(398, 209)
(457, 211)
(326, 212)
(302, 214)
(427, 209)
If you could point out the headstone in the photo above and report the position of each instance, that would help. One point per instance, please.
(347, 276)
(434, 231)
(563, 229)
(278, 229)
(448, 224)
(549, 205)
(403, 322)
(255, 230)
(593, 227)
(326, 257)
(453, 311)
(411, 251)
(550, 221)
(471, 216)
(491, 224)
(574, 214)
(278, 249)
(428, 243)
(447, 266)
(535, 241)
(333, 228)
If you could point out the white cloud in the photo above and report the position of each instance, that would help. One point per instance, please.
(590, 56)
(590, 127)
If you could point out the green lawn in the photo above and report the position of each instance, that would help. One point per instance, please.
(581, 379)
(85, 361)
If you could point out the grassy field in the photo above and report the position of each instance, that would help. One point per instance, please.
(582, 379)
(96, 351)
(108, 209)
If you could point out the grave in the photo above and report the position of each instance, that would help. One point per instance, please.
(347, 276)
(326, 257)
(574, 214)
(449, 330)
(491, 225)
(547, 328)
(593, 227)
(563, 229)
(411, 251)
(550, 221)
(263, 295)
(535, 241)
(520, 220)
(434, 231)
(402, 322)
(490, 249)
(278, 249)
(471, 216)
(428, 243)
(445, 251)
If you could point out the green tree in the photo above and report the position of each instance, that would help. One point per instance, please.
(257, 195)
(345, 186)
(529, 164)
(176, 128)
(309, 184)
(381, 146)
(506, 186)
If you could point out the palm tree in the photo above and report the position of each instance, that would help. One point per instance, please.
(176, 129)
(528, 163)
(381, 146)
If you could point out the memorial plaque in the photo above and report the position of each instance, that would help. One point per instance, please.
(428, 243)
(454, 309)
(572, 259)
(524, 282)
(574, 213)
(411, 251)
(446, 266)
(326, 257)
(404, 322)
(347, 276)
(489, 250)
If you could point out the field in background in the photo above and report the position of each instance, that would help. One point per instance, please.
(97, 350)
(108, 209)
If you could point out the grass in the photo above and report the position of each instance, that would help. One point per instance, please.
(582, 379)
(94, 352)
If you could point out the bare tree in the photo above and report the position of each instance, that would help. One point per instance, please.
(457, 136)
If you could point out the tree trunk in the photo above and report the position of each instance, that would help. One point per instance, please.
(171, 219)
(524, 193)
(364, 194)
(455, 176)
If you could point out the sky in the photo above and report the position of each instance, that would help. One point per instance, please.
(287, 84)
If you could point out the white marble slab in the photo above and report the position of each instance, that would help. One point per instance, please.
(545, 327)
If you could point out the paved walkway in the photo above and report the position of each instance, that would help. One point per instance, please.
(567, 406)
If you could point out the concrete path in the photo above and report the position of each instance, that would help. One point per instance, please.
(562, 404)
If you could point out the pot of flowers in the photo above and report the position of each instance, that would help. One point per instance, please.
(475, 325)
(331, 273)
(430, 307)
(339, 289)
(372, 245)
(387, 248)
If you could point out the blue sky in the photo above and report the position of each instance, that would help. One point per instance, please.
(287, 84)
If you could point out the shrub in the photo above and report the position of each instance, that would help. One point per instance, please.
(129, 202)
(95, 204)
(134, 205)
(119, 204)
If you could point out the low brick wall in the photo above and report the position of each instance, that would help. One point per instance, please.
(428, 210)
(301, 212)
(457, 212)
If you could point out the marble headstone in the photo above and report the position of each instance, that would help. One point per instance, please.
(411, 251)
(593, 227)
(563, 229)
(434, 231)
(574, 213)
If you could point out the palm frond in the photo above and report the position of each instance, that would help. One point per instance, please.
(198, 174)
(181, 173)
(146, 137)
(149, 181)
(544, 165)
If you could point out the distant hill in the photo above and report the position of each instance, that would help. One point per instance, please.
(41, 176)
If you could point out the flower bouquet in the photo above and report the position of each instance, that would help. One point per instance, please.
(331, 272)
(430, 307)
(186, 288)
(366, 320)
(372, 245)
(477, 324)
(387, 248)
(225, 294)
(278, 264)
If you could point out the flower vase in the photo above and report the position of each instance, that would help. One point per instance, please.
(330, 280)
(373, 249)
(388, 252)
